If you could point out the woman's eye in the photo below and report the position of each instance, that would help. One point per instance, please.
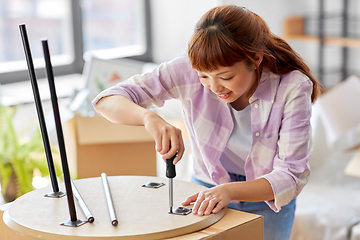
(226, 78)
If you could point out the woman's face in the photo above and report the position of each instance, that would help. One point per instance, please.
(231, 84)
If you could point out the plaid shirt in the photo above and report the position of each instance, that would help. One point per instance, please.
(280, 124)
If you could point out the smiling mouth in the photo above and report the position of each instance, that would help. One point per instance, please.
(223, 96)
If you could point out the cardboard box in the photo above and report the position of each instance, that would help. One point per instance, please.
(95, 145)
(234, 225)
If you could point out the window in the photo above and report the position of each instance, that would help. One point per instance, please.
(76, 29)
(111, 26)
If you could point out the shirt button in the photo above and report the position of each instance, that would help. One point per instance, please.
(257, 134)
(256, 105)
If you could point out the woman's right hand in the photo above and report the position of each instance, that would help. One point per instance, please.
(168, 139)
(120, 110)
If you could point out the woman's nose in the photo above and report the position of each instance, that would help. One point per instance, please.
(215, 86)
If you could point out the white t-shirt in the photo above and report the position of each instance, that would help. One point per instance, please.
(239, 144)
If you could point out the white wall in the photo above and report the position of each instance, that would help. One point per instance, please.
(173, 22)
(272, 11)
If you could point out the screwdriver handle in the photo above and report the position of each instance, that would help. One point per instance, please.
(170, 167)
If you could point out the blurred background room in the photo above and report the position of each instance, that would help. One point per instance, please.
(95, 44)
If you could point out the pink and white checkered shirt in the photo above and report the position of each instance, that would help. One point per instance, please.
(280, 124)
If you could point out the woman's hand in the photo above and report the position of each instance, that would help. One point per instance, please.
(209, 201)
(168, 139)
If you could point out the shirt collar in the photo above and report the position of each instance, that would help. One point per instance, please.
(267, 87)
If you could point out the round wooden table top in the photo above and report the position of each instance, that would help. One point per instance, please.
(142, 213)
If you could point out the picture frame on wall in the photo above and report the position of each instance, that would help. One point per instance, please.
(101, 73)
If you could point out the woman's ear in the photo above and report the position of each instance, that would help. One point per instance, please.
(258, 58)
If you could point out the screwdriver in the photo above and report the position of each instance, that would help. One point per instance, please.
(170, 173)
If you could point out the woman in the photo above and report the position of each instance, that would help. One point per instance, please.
(246, 99)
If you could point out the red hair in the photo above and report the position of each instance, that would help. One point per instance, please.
(229, 34)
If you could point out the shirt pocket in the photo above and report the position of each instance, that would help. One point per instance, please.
(264, 150)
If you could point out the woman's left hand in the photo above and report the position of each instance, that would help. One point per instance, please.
(208, 201)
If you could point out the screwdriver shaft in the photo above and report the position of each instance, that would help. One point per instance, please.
(170, 194)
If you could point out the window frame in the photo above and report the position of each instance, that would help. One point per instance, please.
(77, 37)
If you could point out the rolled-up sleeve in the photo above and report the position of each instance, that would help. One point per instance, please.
(169, 80)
